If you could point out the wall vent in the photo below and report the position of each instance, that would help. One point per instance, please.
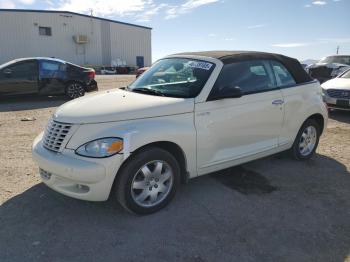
(80, 39)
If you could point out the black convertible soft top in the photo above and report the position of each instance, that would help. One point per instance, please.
(229, 57)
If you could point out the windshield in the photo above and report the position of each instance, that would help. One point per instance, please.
(174, 77)
(336, 59)
(346, 74)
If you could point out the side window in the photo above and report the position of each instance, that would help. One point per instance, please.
(51, 68)
(283, 77)
(251, 76)
(22, 70)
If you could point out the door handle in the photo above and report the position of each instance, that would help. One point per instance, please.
(278, 102)
(7, 71)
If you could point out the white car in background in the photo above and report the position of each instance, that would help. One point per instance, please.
(188, 115)
(336, 92)
(107, 70)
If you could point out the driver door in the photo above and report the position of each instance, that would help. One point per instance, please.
(19, 78)
(52, 77)
(231, 129)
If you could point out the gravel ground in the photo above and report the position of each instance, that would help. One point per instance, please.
(274, 209)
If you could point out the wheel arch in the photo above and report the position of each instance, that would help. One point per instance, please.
(170, 147)
(319, 119)
(316, 116)
(71, 81)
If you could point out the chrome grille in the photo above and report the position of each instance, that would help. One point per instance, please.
(336, 93)
(55, 135)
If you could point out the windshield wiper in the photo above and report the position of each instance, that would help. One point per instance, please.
(147, 91)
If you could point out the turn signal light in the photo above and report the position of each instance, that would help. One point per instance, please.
(115, 147)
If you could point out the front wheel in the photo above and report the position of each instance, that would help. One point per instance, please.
(75, 90)
(148, 181)
(307, 140)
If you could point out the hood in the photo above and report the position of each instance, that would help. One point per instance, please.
(119, 105)
(337, 83)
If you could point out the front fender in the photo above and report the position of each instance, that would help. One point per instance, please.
(178, 129)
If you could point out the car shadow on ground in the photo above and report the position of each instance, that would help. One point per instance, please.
(341, 116)
(30, 103)
(288, 211)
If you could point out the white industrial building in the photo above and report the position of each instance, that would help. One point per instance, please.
(77, 38)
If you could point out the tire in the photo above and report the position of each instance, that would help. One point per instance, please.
(75, 90)
(148, 181)
(307, 140)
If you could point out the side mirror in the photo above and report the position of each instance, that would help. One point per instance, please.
(227, 92)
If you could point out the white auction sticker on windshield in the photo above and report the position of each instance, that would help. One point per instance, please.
(200, 65)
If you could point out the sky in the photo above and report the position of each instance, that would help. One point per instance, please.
(304, 29)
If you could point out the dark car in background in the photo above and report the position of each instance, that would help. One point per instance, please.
(45, 76)
(329, 67)
(140, 71)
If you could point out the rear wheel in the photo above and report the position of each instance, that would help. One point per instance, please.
(75, 90)
(148, 181)
(307, 140)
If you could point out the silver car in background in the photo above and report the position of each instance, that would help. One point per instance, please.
(329, 67)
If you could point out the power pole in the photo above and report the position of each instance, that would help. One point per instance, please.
(91, 21)
(338, 50)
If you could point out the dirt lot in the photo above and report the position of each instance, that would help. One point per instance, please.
(274, 209)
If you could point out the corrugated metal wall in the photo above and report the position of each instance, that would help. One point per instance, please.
(128, 43)
(106, 42)
(19, 37)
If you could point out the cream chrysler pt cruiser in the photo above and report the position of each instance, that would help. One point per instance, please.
(190, 114)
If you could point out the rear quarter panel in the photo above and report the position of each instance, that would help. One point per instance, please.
(75, 73)
(301, 102)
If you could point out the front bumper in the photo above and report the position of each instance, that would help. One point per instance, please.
(74, 176)
(332, 103)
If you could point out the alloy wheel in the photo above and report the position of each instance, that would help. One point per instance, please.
(308, 141)
(75, 90)
(152, 183)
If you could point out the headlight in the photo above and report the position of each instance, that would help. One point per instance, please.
(324, 92)
(100, 148)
